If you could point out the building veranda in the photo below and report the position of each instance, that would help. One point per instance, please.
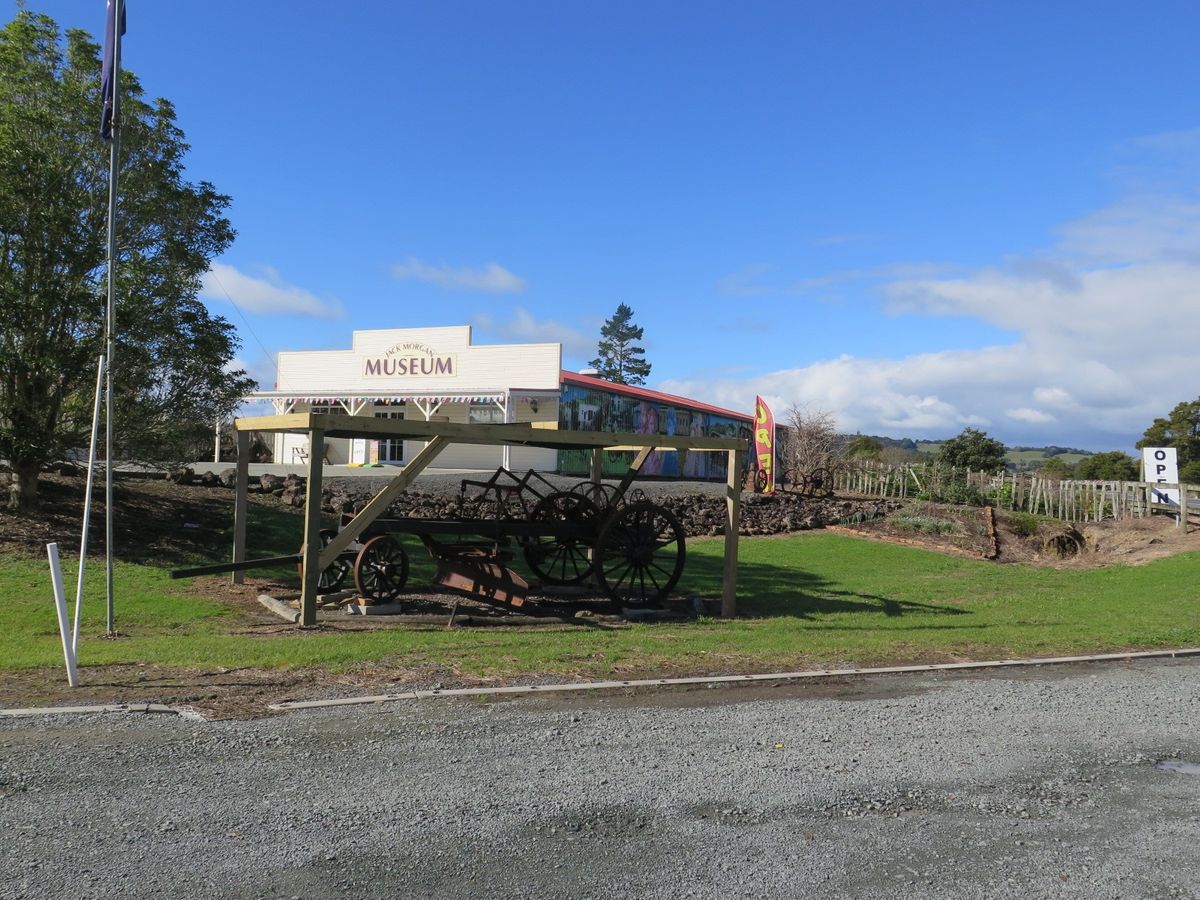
(433, 375)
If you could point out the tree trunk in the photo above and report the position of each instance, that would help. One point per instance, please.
(23, 495)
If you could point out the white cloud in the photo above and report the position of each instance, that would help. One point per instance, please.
(1107, 338)
(522, 327)
(491, 279)
(268, 295)
(1052, 396)
(1027, 414)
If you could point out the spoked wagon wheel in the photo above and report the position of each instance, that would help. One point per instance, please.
(820, 483)
(381, 569)
(640, 554)
(760, 480)
(563, 558)
(601, 495)
(334, 574)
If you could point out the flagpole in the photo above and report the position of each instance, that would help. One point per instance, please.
(110, 318)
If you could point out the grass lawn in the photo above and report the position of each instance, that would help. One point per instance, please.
(811, 599)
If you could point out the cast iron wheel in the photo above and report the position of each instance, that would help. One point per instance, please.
(820, 483)
(381, 569)
(640, 554)
(562, 559)
(760, 480)
(334, 574)
(601, 495)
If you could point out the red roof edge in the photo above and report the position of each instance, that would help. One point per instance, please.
(638, 393)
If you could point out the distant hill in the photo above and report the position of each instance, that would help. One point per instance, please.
(1052, 450)
(1019, 457)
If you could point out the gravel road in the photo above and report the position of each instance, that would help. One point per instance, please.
(1029, 783)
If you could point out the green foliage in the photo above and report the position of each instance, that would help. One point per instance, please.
(1180, 429)
(619, 359)
(169, 364)
(959, 491)
(1113, 466)
(973, 449)
(1022, 523)
(1190, 473)
(1055, 467)
(864, 447)
(1001, 496)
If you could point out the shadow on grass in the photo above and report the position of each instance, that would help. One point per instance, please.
(765, 591)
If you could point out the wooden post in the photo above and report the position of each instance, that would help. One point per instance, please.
(312, 528)
(240, 490)
(634, 468)
(733, 519)
(598, 464)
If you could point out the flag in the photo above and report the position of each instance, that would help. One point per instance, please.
(109, 72)
(764, 446)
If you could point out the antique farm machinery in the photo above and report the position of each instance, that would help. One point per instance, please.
(816, 482)
(631, 548)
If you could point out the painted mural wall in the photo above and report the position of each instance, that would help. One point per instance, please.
(588, 409)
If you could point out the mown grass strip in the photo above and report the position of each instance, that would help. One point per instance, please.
(812, 599)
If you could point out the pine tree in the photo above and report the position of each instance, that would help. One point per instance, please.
(619, 359)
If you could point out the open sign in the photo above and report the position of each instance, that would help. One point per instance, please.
(1161, 465)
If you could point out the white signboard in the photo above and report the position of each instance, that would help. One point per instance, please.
(1161, 465)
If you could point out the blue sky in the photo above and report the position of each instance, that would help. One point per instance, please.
(920, 216)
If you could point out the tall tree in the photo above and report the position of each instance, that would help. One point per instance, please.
(973, 449)
(171, 357)
(619, 358)
(1111, 466)
(1180, 429)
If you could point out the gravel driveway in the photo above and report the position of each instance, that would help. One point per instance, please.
(1037, 783)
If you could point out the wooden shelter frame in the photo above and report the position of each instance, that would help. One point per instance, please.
(437, 435)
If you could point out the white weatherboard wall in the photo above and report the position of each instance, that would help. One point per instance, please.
(420, 366)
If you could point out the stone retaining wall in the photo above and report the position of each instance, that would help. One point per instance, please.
(700, 513)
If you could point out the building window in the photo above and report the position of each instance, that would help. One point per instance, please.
(485, 414)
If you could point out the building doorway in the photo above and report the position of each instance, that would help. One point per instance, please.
(391, 451)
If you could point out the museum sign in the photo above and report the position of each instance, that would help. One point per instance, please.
(410, 359)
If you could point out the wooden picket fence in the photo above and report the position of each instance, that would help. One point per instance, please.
(1071, 501)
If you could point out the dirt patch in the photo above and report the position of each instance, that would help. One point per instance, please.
(217, 694)
(964, 531)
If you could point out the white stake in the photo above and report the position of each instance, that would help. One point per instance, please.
(60, 606)
(87, 505)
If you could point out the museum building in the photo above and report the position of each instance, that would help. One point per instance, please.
(439, 374)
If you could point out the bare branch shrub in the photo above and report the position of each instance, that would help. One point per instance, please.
(812, 439)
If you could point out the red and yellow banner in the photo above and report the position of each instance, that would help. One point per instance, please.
(764, 446)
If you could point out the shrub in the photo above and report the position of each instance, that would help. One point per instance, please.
(1001, 496)
(927, 524)
(1023, 524)
(962, 493)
